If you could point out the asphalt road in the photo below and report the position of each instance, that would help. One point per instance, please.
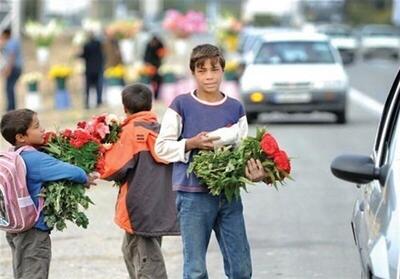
(301, 231)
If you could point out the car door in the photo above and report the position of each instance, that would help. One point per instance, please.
(373, 211)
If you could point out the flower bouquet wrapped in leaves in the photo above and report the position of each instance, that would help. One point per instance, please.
(83, 147)
(223, 170)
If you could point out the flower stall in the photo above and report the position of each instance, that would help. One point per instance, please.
(124, 31)
(182, 26)
(60, 74)
(171, 74)
(228, 29)
(32, 96)
(115, 83)
(43, 35)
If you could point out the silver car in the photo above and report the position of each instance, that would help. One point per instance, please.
(376, 215)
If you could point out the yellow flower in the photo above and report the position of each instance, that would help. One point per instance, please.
(60, 71)
(231, 66)
(115, 72)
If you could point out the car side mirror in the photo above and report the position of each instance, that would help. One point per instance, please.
(358, 169)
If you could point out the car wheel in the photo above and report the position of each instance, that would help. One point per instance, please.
(395, 56)
(351, 58)
(341, 117)
(251, 117)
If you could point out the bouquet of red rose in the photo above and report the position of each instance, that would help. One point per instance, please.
(223, 170)
(83, 147)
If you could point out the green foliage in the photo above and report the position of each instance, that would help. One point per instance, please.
(265, 20)
(221, 170)
(365, 12)
(64, 200)
(113, 135)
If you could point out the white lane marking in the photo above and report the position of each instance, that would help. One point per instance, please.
(365, 101)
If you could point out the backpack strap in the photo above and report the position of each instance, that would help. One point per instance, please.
(39, 209)
(41, 200)
(22, 148)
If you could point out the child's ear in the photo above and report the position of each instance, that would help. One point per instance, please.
(20, 138)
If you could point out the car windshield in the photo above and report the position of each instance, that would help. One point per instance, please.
(295, 53)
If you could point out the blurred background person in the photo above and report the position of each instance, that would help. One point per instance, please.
(12, 65)
(153, 55)
(94, 67)
(112, 53)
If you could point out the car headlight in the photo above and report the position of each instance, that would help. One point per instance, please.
(329, 84)
(257, 97)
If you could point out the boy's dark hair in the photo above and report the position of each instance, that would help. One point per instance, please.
(7, 32)
(15, 122)
(203, 52)
(137, 97)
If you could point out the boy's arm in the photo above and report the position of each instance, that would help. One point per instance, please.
(231, 135)
(52, 169)
(168, 147)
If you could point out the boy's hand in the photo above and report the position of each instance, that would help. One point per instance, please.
(255, 170)
(91, 178)
(201, 141)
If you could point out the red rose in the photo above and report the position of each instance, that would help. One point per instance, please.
(101, 119)
(67, 133)
(48, 137)
(82, 124)
(282, 161)
(269, 145)
(80, 138)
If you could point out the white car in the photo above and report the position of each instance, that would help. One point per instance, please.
(376, 214)
(250, 39)
(379, 39)
(295, 72)
(342, 38)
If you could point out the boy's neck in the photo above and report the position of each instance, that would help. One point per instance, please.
(210, 97)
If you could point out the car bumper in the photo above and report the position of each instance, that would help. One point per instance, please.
(309, 102)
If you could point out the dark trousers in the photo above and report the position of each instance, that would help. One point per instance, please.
(96, 80)
(143, 257)
(156, 82)
(31, 254)
(10, 87)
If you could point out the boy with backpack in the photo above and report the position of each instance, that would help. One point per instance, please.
(145, 207)
(201, 120)
(30, 244)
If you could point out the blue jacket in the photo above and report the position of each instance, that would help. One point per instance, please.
(40, 168)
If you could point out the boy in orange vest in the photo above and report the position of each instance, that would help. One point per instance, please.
(146, 203)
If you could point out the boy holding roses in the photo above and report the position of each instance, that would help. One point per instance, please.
(202, 120)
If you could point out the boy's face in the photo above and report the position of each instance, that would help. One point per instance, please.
(34, 134)
(208, 76)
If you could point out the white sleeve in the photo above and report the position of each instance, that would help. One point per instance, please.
(231, 135)
(168, 147)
